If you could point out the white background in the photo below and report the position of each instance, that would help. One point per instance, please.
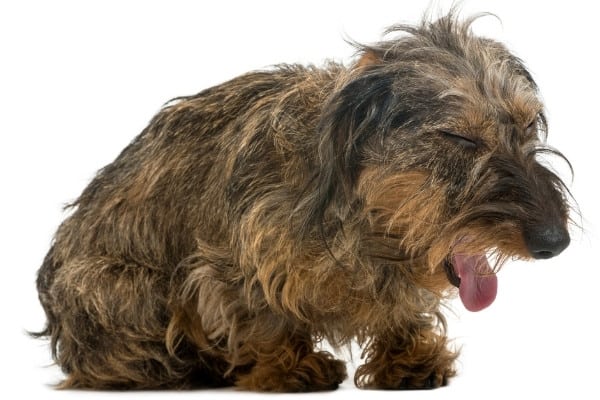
(78, 80)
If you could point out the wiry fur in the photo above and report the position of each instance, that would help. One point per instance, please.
(301, 203)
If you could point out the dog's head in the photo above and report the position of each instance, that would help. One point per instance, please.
(436, 139)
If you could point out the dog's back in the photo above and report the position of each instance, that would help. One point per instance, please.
(188, 178)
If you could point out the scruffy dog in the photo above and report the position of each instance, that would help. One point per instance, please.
(249, 222)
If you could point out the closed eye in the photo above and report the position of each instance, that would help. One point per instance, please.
(461, 140)
(532, 127)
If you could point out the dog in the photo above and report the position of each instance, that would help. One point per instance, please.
(250, 222)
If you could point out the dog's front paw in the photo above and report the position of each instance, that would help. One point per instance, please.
(427, 364)
(436, 379)
(314, 372)
(403, 378)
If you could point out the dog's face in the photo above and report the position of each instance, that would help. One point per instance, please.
(437, 137)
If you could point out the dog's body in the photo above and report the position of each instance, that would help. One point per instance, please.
(291, 205)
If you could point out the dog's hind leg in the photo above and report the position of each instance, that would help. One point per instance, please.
(107, 321)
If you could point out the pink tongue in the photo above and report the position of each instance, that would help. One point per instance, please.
(478, 282)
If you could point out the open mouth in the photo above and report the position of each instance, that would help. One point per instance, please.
(475, 279)
(453, 278)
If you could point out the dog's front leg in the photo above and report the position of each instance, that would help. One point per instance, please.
(406, 359)
(289, 363)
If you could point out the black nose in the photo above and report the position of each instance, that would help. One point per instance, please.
(546, 241)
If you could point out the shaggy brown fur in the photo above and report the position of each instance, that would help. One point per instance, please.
(258, 217)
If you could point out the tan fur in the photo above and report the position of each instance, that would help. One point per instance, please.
(249, 222)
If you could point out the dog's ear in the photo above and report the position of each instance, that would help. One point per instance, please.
(360, 110)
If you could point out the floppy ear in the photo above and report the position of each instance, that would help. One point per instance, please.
(361, 109)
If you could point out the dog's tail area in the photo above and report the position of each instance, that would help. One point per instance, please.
(44, 281)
